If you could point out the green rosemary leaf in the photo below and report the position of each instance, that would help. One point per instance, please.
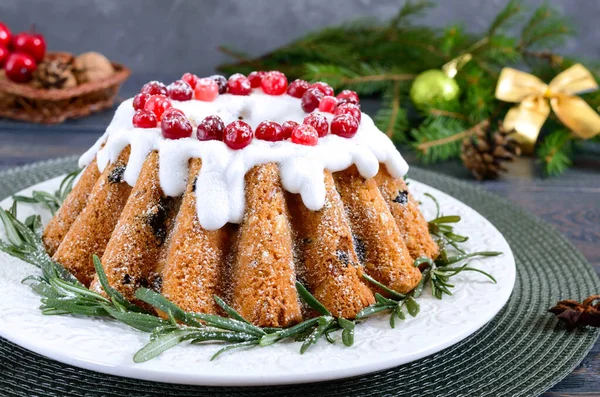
(73, 306)
(234, 346)
(140, 321)
(412, 306)
(311, 300)
(67, 185)
(455, 237)
(229, 324)
(437, 205)
(230, 310)
(458, 258)
(79, 291)
(348, 337)
(373, 309)
(423, 259)
(328, 337)
(383, 300)
(345, 323)
(443, 288)
(10, 226)
(23, 199)
(400, 313)
(424, 278)
(393, 319)
(388, 290)
(472, 269)
(446, 219)
(324, 323)
(297, 329)
(112, 293)
(225, 336)
(165, 342)
(161, 303)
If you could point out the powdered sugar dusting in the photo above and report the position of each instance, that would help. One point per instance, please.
(220, 186)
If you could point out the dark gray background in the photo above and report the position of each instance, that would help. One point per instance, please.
(183, 35)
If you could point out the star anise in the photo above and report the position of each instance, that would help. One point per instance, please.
(577, 314)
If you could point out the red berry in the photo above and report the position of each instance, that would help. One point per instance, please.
(180, 91)
(348, 108)
(238, 135)
(175, 125)
(305, 135)
(344, 125)
(288, 128)
(144, 119)
(5, 36)
(327, 104)
(155, 88)
(238, 84)
(4, 53)
(274, 83)
(139, 101)
(221, 82)
(269, 131)
(190, 78)
(20, 67)
(318, 122)
(170, 111)
(310, 99)
(157, 104)
(297, 88)
(206, 90)
(210, 129)
(30, 43)
(348, 96)
(255, 78)
(323, 87)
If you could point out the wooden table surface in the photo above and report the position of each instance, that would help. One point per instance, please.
(570, 202)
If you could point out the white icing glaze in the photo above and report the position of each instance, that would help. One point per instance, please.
(220, 186)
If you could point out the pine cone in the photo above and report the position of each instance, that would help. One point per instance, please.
(55, 72)
(92, 66)
(485, 152)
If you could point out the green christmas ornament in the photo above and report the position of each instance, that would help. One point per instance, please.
(433, 87)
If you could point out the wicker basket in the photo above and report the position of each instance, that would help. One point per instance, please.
(37, 105)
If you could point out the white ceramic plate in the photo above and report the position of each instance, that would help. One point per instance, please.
(107, 346)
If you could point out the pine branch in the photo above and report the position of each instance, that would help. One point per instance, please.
(447, 146)
(555, 152)
(392, 118)
(505, 17)
(546, 27)
(411, 9)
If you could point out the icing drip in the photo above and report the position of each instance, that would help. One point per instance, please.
(220, 194)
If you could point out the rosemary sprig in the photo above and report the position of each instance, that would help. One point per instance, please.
(48, 200)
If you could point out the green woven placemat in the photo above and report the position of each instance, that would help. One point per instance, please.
(522, 351)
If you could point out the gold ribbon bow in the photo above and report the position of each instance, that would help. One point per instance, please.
(533, 94)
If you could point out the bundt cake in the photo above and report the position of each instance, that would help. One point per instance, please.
(238, 188)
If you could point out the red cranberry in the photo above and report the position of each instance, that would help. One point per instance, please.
(157, 104)
(170, 111)
(297, 88)
(4, 53)
(318, 122)
(5, 36)
(305, 134)
(238, 84)
(221, 82)
(144, 119)
(139, 101)
(288, 128)
(20, 67)
(30, 43)
(255, 78)
(323, 87)
(180, 91)
(238, 135)
(348, 108)
(327, 104)
(269, 131)
(310, 99)
(190, 78)
(274, 83)
(348, 96)
(206, 90)
(175, 125)
(155, 88)
(210, 129)
(344, 125)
